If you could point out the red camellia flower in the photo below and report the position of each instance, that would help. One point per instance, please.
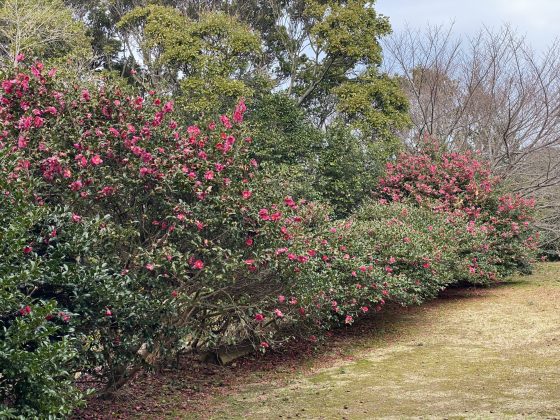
(264, 345)
(246, 194)
(198, 265)
(27, 249)
(25, 310)
(259, 317)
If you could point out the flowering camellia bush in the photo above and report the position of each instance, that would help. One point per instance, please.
(128, 236)
(140, 231)
(497, 238)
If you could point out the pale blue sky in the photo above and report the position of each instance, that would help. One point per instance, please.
(539, 20)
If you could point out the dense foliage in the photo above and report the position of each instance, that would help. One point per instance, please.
(459, 184)
(128, 236)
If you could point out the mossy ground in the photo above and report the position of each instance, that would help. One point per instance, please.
(474, 353)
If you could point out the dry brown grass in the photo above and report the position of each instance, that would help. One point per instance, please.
(478, 353)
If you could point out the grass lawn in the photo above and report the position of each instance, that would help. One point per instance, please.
(477, 353)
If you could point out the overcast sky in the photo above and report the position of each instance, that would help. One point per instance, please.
(538, 20)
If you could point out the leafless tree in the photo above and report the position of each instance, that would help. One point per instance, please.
(491, 93)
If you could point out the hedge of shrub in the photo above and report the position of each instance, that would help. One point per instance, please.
(128, 236)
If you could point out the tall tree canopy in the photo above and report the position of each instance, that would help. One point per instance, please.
(40, 28)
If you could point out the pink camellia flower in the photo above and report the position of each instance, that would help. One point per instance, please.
(264, 345)
(108, 312)
(293, 301)
(76, 185)
(106, 191)
(150, 267)
(51, 110)
(246, 194)
(64, 316)
(290, 202)
(85, 95)
(76, 218)
(22, 142)
(263, 214)
(96, 160)
(20, 57)
(198, 265)
(278, 313)
(174, 293)
(168, 107)
(239, 111)
(209, 175)
(280, 251)
(281, 298)
(259, 317)
(392, 260)
(348, 319)
(225, 121)
(364, 309)
(249, 242)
